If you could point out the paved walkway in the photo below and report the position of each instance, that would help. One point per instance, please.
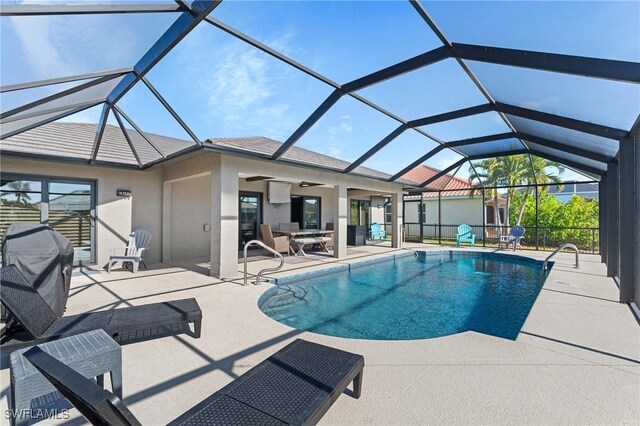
(576, 360)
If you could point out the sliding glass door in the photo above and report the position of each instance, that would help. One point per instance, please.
(250, 217)
(67, 205)
(70, 206)
(306, 211)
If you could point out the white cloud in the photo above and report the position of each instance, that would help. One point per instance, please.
(240, 85)
(43, 56)
(335, 150)
(346, 127)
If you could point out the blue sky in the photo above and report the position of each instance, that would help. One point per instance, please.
(223, 87)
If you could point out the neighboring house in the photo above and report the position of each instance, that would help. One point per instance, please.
(198, 200)
(76, 201)
(571, 188)
(458, 204)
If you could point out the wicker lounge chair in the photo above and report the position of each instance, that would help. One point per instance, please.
(41, 324)
(295, 386)
(279, 244)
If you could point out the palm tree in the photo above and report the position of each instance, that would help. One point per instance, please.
(20, 190)
(542, 173)
(485, 172)
(512, 171)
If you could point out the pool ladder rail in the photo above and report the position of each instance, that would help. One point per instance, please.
(556, 251)
(266, 247)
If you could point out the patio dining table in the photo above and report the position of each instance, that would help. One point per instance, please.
(304, 237)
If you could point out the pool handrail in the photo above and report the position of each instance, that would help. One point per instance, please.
(266, 247)
(556, 251)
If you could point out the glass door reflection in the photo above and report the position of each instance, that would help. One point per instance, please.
(250, 214)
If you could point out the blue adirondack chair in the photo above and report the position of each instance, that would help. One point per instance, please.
(377, 233)
(465, 235)
(515, 235)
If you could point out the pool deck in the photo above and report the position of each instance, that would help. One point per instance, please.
(576, 360)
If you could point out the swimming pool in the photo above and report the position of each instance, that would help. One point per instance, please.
(403, 297)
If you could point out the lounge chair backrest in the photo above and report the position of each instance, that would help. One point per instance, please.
(24, 302)
(517, 231)
(464, 229)
(375, 228)
(285, 227)
(267, 235)
(99, 406)
(329, 226)
(138, 240)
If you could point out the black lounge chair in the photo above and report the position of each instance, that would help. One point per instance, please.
(295, 386)
(38, 323)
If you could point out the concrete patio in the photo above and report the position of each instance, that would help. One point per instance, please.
(576, 360)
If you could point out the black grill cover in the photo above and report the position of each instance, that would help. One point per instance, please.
(45, 258)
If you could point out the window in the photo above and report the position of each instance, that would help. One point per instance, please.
(359, 212)
(306, 211)
(490, 215)
(66, 205)
(423, 214)
(388, 216)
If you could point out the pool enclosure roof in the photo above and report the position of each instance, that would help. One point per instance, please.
(378, 85)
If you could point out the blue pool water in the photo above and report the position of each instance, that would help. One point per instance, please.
(436, 294)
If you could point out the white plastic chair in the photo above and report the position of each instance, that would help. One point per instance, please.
(139, 241)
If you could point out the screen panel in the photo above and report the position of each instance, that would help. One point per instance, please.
(596, 29)
(226, 88)
(565, 136)
(605, 102)
(400, 152)
(41, 47)
(335, 39)
(148, 113)
(347, 130)
(494, 147)
(93, 94)
(435, 89)
(70, 137)
(489, 123)
(567, 156)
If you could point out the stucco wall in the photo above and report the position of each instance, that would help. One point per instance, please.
(117, 216)
(455, 211)
(274, 216)
(190, 211)
(188, 205)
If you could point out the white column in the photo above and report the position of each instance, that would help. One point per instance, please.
(340, 214)
(224, 221)
(396, 219)
(166, 222)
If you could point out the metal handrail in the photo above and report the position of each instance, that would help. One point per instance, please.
(556, 251)
(266, 247)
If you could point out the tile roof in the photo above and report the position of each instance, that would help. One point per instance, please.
(421, 173)
(266, 146)
(75, 140)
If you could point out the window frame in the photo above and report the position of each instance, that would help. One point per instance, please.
(44, 201)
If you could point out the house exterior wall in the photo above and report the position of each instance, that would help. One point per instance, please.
(117, 216)
(275, 215)
(190, 212)
(455, 211)
(175, 201)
